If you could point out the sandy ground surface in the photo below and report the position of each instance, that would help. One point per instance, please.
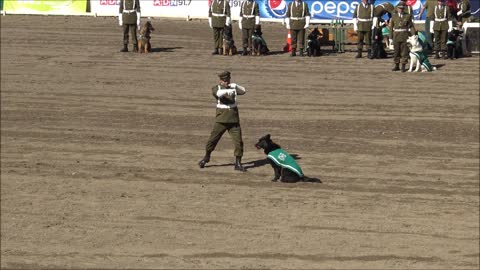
(99, 153)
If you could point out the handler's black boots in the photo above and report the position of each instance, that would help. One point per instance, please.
(125, 48)
(359, 54)
(135, 48)
(238, 164)
(293, 53)
(220, 51)
(396, 67)
(437, 55)
(245, 52)
(404, 68)
(370, 56)
(301, 52)
(204, 160)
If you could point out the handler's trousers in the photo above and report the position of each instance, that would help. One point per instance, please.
(400, 53)
(298, 35)
(364, 37)
(440, 37)
(132, 28)
(247, 38)
(218, 37)
(235, 132)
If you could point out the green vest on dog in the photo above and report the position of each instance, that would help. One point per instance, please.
(284, 160)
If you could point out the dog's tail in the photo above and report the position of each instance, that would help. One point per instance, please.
(311, 179)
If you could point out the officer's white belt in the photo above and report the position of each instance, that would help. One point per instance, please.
(400, 30)
(364, 20)
(297, 18)
(219, 14)
(248, 16)
(441, 20)
(223, 106)
(129, 11)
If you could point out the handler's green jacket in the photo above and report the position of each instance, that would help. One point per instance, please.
(442, 16)
(364, 16)
(227, 111)
(248, 11)
(401, 27)
(219, 11)
(129, 9)
(297, 15)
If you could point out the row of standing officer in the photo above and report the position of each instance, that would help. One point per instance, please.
(219, 15)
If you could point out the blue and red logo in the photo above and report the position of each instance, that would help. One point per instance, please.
(276, 8)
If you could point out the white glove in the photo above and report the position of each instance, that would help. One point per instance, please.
(210, 22)
(459, 12)
(287, 23)
(355, 24)
(240, 24)
(307, 22)
(120, 19)
(375, 21)
(228, 21)
(257, 20)
(450, 26)
(431, 27)
(138, 19)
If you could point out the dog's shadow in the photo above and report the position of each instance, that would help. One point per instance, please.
(438, 66)
(167, 49)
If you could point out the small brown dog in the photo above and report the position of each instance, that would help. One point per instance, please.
(144, 45)
(229, 47)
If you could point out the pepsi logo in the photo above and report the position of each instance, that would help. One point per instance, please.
(277, 8)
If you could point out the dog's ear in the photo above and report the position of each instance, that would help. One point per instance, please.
(267, 136)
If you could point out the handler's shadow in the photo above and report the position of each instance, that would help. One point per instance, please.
(165, 49)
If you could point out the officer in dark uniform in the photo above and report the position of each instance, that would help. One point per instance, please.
(297, 20)
(226, 119)
(401, 27)
(129, 18)
(441, 26)
(362, 24)
(249, 17)
(218, 17)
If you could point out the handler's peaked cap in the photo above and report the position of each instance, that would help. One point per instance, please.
(400, 5)
(224, 75)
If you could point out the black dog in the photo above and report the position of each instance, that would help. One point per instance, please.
(378, 49)
(313, 42)
(454, 44)
(229, 47)
(258, 43)
(284, 165)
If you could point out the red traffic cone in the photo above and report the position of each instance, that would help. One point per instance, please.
(288, 46)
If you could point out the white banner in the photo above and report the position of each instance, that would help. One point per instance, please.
(164, 8)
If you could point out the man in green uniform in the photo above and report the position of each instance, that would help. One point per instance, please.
(297, 20)
(226, 119)
(249, 18)
(429, 5)
(218, 17)
(362, 24)
(441, 26)
(408, 9)
(129, 18)
(401, 26)
(464, 11)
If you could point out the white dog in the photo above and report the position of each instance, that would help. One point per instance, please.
(418, 57)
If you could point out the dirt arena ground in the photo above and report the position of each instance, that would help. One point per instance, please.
(99, 153)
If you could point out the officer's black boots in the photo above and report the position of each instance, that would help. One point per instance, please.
(245, 52)
(359, 54)
(301, 52)
(293, 53)
(404, 68)
(215, 51)
(125, 48)
(396, 67)
(238, 164)
(437, 55)
(135, 48)
(204, 160)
